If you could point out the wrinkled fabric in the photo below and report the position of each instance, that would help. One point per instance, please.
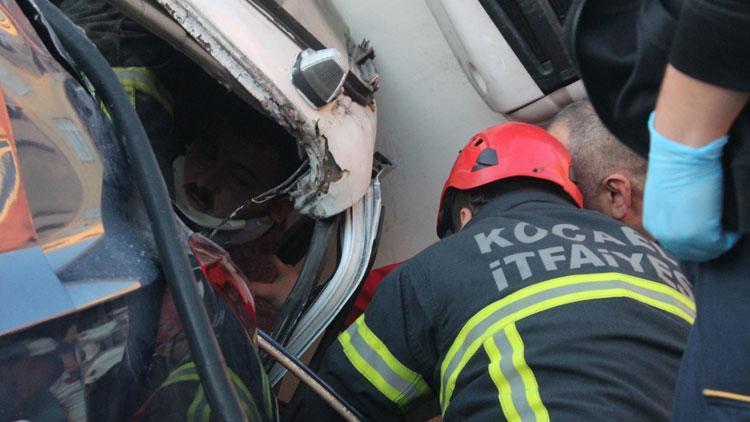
(716, 356)
(368, 291)
(611, 358)
(621, 50)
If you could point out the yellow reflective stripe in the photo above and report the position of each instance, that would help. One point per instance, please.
(547, 295)
(172, 380)
(142, 79)
(198, 400)
(247, 399)
(199, 406)
(518, 391)
(503, 387)
(372, 359)
(186, 369)
(206, 414)
(129, 89)
(366, 370)
(399, 368)
(185, 372)
(531, 388)
(266, 392)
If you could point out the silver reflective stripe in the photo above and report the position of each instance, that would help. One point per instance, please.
(518, 391)
(547, 295)
(409, 385)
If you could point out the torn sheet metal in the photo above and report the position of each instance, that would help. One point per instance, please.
(359, 232)
(338, 139)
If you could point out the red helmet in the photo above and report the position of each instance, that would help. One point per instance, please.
(504, 151)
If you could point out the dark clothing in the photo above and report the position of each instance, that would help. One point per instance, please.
(716, 359)
(178, 395)
(120, 40)
(712, 42)
(137, 56)
(622, 50)
(534, 309)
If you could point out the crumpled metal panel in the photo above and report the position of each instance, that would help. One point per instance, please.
(338, 139)
(358, 235)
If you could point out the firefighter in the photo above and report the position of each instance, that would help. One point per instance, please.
(610, 177)
(670, 79)
(529, 307)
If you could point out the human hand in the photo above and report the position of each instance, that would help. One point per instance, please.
(683, 198)
(276, 291)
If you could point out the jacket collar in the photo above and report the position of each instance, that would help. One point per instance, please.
(512, 199)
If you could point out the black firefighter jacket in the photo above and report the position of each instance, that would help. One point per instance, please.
(536, 310)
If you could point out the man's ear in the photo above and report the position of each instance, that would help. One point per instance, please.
(465, 215)
(618, 195)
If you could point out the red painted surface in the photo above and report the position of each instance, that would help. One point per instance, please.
(16, 226)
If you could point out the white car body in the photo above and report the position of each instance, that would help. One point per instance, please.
(492, 66)
(338, 139)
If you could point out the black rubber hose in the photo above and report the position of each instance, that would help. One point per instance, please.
(299, 296)
(203, 345)
(312, 375)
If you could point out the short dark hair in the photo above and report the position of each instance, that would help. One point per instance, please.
(596, 152)
(475, 199)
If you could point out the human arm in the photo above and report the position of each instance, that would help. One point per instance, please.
(276, 291)
(705, 87)
(683, 196)
(693, 112)
(382, 364)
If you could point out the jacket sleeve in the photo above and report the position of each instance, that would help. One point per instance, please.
(382, 364)
(712, 42)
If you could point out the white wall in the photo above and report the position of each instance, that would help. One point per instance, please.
(427, 110)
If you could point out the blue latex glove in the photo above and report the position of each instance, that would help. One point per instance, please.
(683, 198)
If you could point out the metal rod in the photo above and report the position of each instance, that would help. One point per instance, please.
(308, 377)
(286, 321)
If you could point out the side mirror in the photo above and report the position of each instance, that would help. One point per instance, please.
(319, 75)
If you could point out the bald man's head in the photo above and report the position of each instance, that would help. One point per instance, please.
(610, 175)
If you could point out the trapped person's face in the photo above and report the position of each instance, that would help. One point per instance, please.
(227, 168)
